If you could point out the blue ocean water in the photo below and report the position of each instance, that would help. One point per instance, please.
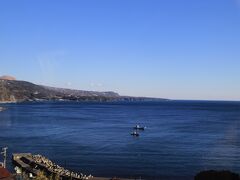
(181, 139)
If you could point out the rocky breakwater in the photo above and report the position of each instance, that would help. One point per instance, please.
(39, 159)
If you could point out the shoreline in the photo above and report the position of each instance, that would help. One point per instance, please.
(7, 102)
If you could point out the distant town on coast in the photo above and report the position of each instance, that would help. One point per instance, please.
(12, 90)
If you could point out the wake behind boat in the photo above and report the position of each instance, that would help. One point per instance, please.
(135, 133)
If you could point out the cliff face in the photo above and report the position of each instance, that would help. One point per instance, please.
(15, 91)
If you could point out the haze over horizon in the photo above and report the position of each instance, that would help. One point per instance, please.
(167, 49)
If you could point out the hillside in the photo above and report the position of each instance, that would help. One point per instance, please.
(20, 91)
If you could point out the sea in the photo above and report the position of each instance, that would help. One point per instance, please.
(181, 138)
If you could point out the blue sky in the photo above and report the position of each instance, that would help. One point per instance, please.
(179, 49)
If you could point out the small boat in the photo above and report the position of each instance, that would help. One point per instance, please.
(137, 127)
(135, 133)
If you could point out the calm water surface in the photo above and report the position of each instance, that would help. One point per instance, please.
(182, 137)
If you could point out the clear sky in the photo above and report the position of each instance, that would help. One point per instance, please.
(179, 49)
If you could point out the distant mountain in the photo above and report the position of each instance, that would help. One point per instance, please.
(20, 91)
(6, 77)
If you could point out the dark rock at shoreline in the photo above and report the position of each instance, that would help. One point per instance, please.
(217, 175)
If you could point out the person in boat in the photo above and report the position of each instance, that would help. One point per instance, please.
(138, 127)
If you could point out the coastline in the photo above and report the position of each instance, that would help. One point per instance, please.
(7, 102)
